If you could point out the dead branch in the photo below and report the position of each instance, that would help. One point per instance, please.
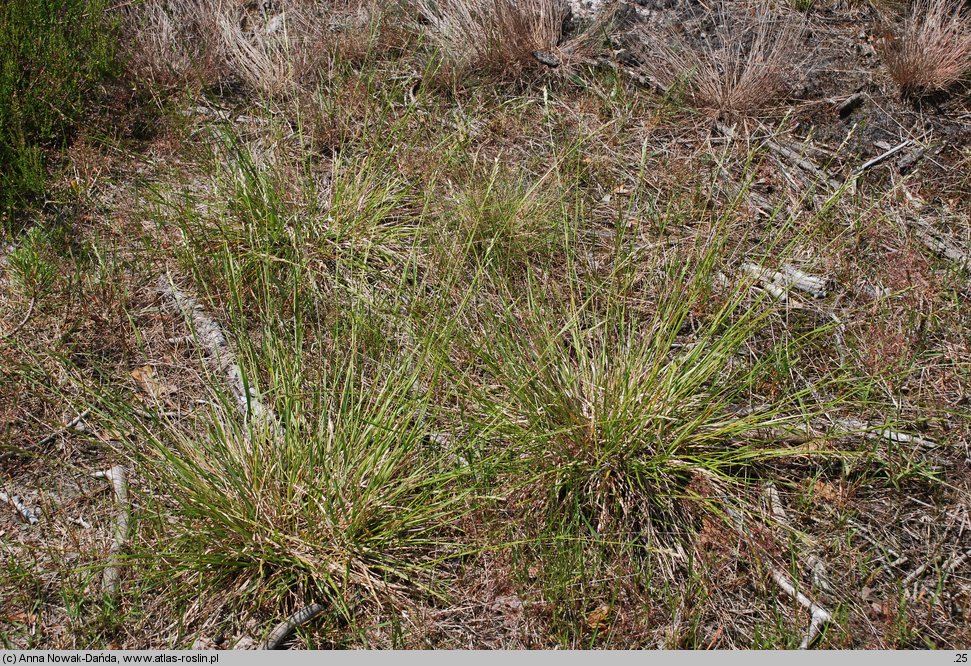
(23, 322)
(850, 104)
(77, 423)
(882, 157)
(820, 617)
(118, 477)
(887, 434)
(941, 244)
(788, 277)
(282, 631)
(22, 509)
(803, 164)
(219, 353)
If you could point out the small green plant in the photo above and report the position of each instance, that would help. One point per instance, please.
(32, 272)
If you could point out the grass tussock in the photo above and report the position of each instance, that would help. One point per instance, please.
(494, 36)
(270, 48)
(621, 421)
(744, 67)
(349, 500)
(930, 51)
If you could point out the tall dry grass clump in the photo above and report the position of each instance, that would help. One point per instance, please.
(746, 66)
(269, 47)
(499, 36)
(171, 43)
(931, 49)
(275, 52)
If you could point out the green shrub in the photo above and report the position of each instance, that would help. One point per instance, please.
(52, 53)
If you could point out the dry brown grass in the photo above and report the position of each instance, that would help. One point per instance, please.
(277, 52)
(270, 48)
(743, 68)
(931, 49)
(174, 43)
(494, 35)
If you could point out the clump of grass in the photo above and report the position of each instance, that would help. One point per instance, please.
(271, 49)
(931, 49)
(276, 54)
(742, 69)
(499, 36)
(621, 423)
(349, 499)
(503, 221)
(52, 54)
(345, 497)
(172, 44)
(28, 267)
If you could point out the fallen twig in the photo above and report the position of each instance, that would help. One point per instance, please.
(887, 434)
(70, 425)
(882, 157)
(850, 104)
(778, 283)
(22, 509)
(820, 616)
(917, 573)
(282, 631)
(941, 244)
(119, 484)
(219, 353)
(23, 322)
(956, 561)
(803, 163)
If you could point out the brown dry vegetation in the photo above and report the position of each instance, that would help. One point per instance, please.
(745, 66)
(577, 330)
(931, 50)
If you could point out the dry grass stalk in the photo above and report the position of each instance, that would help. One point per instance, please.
(743, 68)
(931, 50)
(494, 35)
